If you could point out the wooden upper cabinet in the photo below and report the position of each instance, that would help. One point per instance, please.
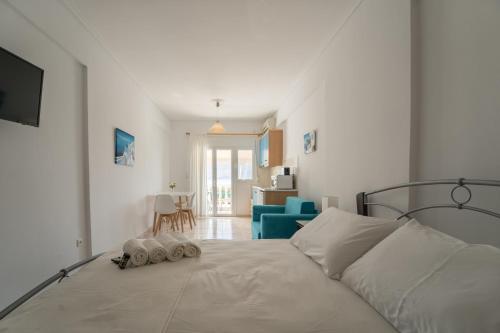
(271, 148)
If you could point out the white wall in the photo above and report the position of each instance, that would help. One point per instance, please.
(458, 110)
(357, 96)
(118, 195)
(46, 178)
(42, 170)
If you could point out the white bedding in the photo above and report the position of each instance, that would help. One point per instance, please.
(235, 286)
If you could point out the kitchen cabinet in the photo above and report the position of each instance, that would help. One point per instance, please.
(271, 148)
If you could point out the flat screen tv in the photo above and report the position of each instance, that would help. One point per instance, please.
(20, 89)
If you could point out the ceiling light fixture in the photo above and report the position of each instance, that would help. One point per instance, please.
(217, 127)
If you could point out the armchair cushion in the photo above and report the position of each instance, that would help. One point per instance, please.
(296, 205)
(257, 210)
(281, 225)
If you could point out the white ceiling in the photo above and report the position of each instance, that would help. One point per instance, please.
(186, 52)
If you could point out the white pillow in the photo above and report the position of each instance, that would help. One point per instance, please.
(384, 275)
(335, 238)
(461, 296)
(422, 280)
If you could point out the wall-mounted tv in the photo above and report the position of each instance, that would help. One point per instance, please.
(20, 89)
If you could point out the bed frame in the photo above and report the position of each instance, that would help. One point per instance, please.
(363, 198)
(56, 277)
(363, 203)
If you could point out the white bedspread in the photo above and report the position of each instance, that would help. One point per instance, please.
(235, 286)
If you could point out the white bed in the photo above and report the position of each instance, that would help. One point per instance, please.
(235, 286)
(417, 278)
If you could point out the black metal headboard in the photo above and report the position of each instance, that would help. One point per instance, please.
(363, 202)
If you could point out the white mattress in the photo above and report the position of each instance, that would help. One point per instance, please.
(235, 286)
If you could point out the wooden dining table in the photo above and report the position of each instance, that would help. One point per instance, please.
(179, 195)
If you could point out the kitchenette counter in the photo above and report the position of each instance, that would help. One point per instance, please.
(271, 189)
(271, 196)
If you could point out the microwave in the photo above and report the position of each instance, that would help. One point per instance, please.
(282, 182)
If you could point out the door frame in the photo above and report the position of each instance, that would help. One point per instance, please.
(234, 175)
(214, 149)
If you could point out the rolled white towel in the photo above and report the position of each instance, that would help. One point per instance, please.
(191, 249)
(156, 252)
(175, 249)
(137, 251)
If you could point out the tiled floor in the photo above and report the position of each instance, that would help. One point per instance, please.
(235, 228)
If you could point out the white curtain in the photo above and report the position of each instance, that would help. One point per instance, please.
(198, 171)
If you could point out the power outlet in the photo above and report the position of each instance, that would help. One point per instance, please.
(79, 242)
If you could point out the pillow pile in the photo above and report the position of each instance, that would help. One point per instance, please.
(419, 279)
(422, 280)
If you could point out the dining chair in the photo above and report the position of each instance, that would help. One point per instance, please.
(180, 204)
(165, 210)
(187, 209)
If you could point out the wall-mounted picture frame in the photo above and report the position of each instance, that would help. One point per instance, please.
(124, 148)
(310, 142)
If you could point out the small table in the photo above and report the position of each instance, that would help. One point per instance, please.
(178, 195)
(302, 223)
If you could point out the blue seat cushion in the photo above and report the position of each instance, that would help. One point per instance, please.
(296, 205)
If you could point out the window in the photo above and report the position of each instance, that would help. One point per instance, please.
(245, 164)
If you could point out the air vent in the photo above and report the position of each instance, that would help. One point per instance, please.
(269, 123)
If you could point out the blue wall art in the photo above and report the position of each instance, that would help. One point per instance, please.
(310, 142)
(124, 148)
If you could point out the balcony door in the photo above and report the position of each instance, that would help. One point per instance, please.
(229, 177)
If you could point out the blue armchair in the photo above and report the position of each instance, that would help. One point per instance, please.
(276, 221)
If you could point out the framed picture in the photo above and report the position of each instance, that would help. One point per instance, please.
(124, 148)
(310, 142)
